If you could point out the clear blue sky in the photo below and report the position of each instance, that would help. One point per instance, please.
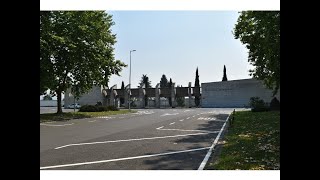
(175, 43)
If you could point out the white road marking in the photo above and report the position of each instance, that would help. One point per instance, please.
(106, 117)
(188, 117)
(160, 127)
(171, 123)
(181, 120)
(122, 159)
(210, 119)
(121, 117)
(127, 140)
(42, 124)
(193, 116)
(187, 130)
(92, 121)
(204, 162)
(167, 114)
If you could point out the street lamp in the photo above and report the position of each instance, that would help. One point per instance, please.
(130, 81)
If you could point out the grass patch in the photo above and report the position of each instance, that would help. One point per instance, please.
(252, 143)
(79, 115)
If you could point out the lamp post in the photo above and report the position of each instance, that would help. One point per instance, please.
(130, 81)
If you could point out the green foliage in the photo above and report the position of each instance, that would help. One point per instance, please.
(47, 97)
(145, 81)
(112, 108)
(275, 104)
(252, 143)
(164, 81)
(258, 105)
(260, 32)
(197, 84)
(90, 108)
(76, 50)
(180, 101)
(224, 78)
(97, 108)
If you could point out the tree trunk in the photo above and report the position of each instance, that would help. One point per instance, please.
(59, 111)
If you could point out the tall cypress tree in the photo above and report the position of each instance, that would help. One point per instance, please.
(224, 74)
(197, 85)
(122, 88)
(170, 85)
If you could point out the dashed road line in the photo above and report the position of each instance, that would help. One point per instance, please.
(171, 123)
(186, 130)
(181, 120)
(92, 121)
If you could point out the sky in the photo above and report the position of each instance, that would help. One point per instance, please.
(175, 43)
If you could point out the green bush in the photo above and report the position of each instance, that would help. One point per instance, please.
(180, 101)
(88, 108)
(258, 105)
(112, 108)
(275, 104)
(95, 108)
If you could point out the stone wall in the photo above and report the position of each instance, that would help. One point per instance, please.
(234, 93)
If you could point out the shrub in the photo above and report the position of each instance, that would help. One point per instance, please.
(88, 108)
(258, 105)
(275, 104)
(112, 108)
(180, 101)
(92, 108)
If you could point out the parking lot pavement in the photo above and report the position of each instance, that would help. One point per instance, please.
(148, 139)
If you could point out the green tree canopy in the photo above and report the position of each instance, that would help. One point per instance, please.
(47, 97)
(145, 81)
(260, 32)
(76, 50)
(164, 81)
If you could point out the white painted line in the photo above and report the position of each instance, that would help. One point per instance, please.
(193, 116)
(42, 124)
(181, 120)
(92, 121)
(188, 117)
(188, 130)
(126, 140)
(122, 159)
(204, 162)
(160, 127)
(171, 123)
(121, 117)
(167, 114)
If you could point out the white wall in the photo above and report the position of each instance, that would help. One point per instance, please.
(235, 93)
(49, 103)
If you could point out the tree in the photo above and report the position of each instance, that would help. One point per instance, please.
(163, 81)
(197, 85)
(145, 81)
(47, 97)
(122, 88)
(224, 78)
(76, 51)
(260, 32)
(170, 85)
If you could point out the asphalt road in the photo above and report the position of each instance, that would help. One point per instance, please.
(149, 139)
